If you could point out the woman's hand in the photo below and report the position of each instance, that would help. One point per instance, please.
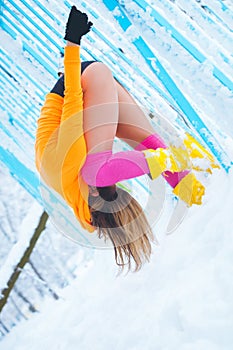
(76, 26)
(69, 43)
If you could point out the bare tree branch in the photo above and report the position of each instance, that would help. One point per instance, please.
(18, 269)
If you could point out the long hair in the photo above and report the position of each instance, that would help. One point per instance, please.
(119, 217)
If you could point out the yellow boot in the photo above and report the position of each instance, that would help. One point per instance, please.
(166, 159)
(205, 160)
(190, 190)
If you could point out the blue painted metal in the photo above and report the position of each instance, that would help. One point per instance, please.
(6, 58)
(157, 68)
(30, 50)
(21, 173)
(205, 7)
(28, 105)
(197, 54)
(206, 17)
(44, 21)
(40, 53)
(169, 99)
(35, 24)
(224, 7)
(45, 10)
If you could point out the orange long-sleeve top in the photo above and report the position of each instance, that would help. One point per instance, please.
(60, 143)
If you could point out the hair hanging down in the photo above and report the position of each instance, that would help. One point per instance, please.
(118, 216)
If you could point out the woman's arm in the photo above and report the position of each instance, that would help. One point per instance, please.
(71, 124)
(71, 145)
(73, 99)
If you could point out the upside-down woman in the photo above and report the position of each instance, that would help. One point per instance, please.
(81, 116)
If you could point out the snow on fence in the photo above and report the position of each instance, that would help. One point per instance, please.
(31, 36)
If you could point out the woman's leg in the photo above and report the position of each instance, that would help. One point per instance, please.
(101, 112)
(133, 126)
(135, 129)
(100, 121)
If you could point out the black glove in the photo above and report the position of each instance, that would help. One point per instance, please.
(77, 26)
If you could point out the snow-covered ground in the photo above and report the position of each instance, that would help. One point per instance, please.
(182, 299)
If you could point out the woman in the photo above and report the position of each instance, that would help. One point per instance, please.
(74, 155)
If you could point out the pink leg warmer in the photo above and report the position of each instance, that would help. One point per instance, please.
(105, 169)
(153, 142)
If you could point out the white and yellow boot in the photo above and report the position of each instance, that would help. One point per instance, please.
(171, 159)
(202, 159)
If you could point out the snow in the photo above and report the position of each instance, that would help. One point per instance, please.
(26, 231)
(182, 299)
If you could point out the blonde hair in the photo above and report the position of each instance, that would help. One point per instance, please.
(121, 219)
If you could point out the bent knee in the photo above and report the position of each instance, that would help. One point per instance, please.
(96, 75)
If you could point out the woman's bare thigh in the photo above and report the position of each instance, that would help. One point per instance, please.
(133, 125)
(101, 110)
